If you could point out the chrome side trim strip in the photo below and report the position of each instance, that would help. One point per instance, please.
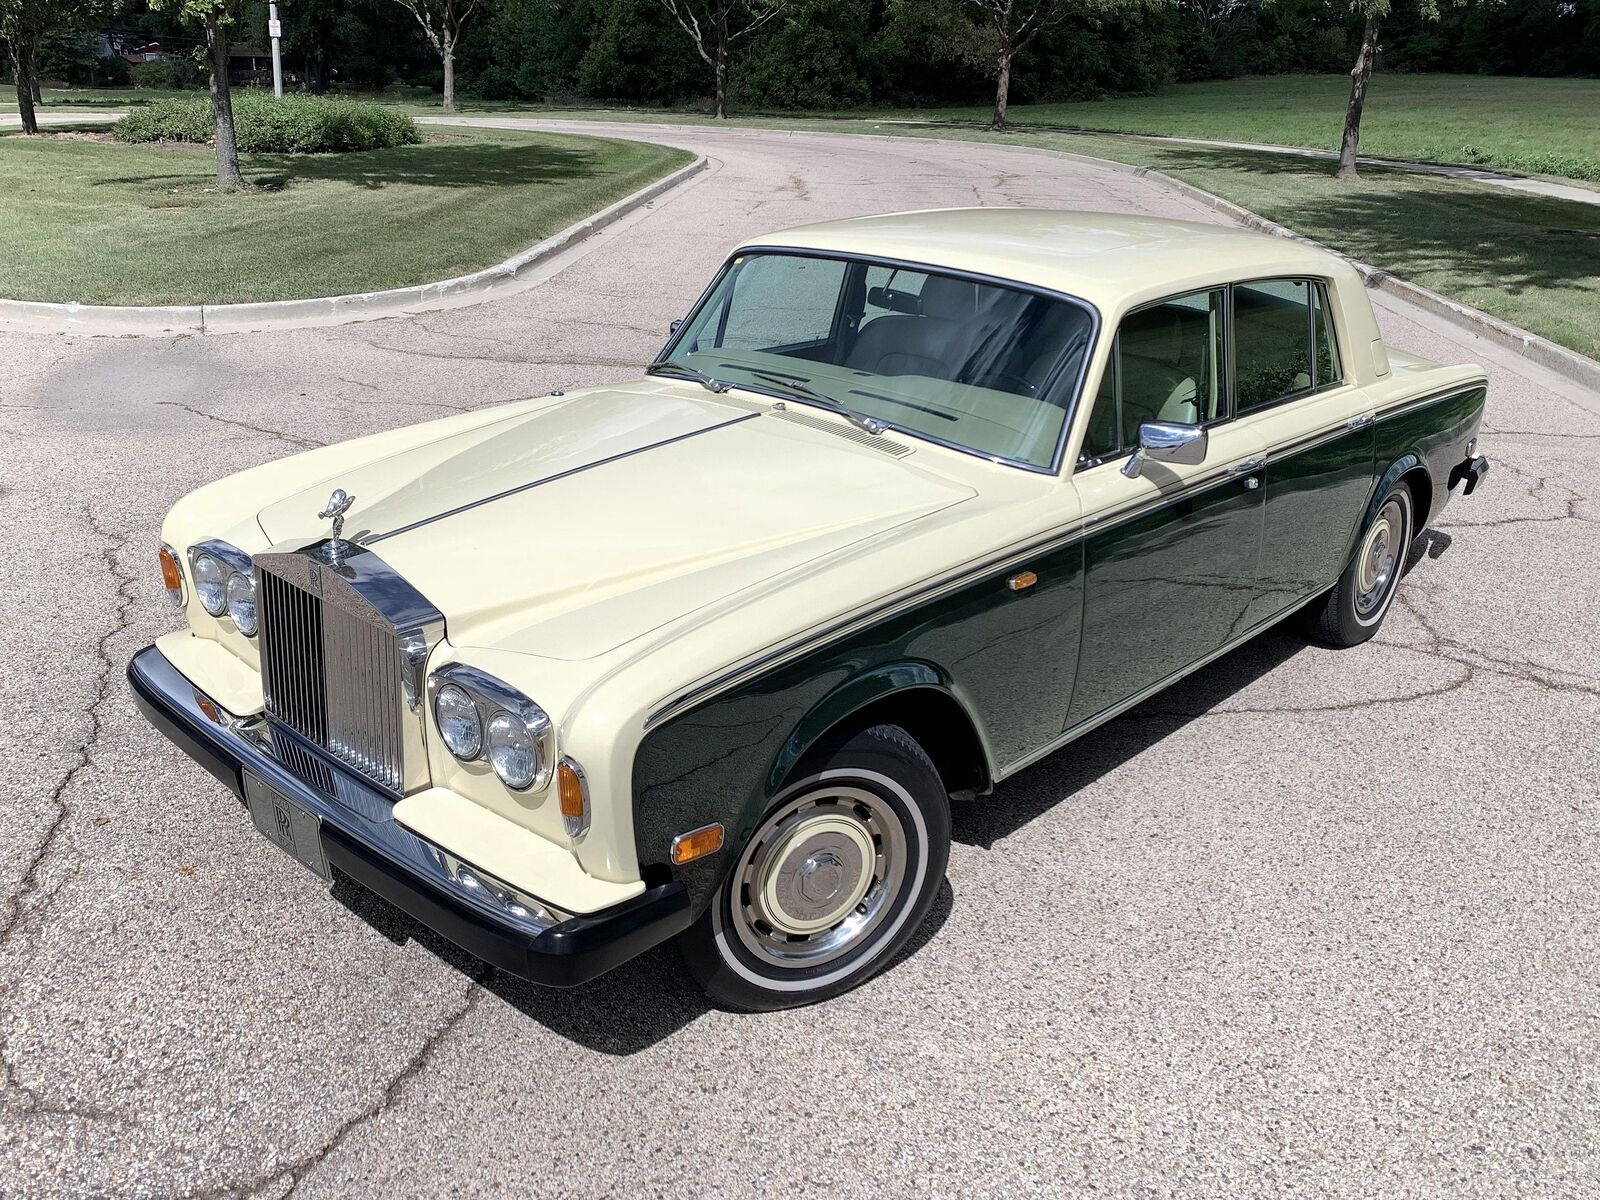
(1310, 442)
(1443, 394)
(523, 487)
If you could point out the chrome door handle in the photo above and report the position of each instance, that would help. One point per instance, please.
(1249, 467)
(1360, 422)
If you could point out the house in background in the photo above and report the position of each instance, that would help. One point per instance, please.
(249, 64)
(137, 55)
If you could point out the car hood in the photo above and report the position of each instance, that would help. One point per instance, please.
(572, 528)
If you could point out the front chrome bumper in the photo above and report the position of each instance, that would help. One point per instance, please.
(363, 842)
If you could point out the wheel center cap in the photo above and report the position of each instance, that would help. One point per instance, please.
(820, 876)
(817, 874)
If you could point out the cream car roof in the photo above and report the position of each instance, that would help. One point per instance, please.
(1110, 260)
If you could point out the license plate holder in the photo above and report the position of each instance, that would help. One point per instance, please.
(287, 824)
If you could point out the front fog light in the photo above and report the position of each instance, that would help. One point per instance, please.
(211, 584)
(457, 717)
(513, 752)
(242, 603)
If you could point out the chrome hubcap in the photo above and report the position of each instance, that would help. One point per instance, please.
(1378, 563)
(818, 877)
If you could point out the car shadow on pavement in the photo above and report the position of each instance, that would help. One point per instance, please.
(622, 1012)
(1057, 778)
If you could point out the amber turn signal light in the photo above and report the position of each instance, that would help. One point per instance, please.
(572, 793)
(171, 576)
(697, 843)
(1022, 581)
(569, 785)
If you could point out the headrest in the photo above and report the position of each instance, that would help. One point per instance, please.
(952, 299)
(893, 300)
(1155, 333)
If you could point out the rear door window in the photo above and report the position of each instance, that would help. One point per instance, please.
(1271, 341)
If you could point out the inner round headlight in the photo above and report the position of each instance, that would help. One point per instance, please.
(211, 584)
(457, 717)
(513, 752)
(242, 602)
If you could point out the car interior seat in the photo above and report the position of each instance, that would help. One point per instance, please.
(928, 342)
(1157, 379)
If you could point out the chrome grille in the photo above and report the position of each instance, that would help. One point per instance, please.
(334, 668)
(292, 670)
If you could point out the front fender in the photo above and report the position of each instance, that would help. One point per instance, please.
(724, 762)
(855, 694)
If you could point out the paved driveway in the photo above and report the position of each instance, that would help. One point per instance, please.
(1310, 922)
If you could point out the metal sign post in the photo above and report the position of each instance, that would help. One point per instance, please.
(275, 31)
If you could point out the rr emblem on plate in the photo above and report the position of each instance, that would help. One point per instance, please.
(285, 824)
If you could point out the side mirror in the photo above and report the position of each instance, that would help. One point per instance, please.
(1167, 441)
(674, 327)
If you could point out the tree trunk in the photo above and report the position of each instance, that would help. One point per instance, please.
(228, 173)
(1359, 76)
(20, 58)
(722, 64)
(33, 75)
(449, 57)
(1002, 92)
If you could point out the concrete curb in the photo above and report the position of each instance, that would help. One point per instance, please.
(155, 321)
(1567, 363)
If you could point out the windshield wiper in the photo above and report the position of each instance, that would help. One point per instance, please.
(797, 387)
(682, 371)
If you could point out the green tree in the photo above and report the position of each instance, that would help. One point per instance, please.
(714, 25)
(216, 18)
(1007, 26)
(1373, 12)
(23, 25)
(442, 22)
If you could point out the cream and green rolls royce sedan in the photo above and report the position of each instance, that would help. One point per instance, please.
(905, 504)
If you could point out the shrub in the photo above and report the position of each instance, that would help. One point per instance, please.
(166, 74)
(297, 124)
(185, 120)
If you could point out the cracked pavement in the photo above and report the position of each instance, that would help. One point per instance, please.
(1310, 922)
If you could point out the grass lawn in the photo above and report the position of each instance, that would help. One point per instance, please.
(90, 97)
(1533, 126)
(1536, 126)
(104, 223)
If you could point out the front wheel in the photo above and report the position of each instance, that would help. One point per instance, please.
(838, 876)
(1353, 610)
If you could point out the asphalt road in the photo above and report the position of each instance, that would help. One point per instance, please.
(1310, 923)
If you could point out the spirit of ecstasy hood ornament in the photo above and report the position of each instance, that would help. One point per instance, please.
(338, 504)
(336, 548)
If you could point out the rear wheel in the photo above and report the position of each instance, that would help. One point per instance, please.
(837, 877)
(1353, 610)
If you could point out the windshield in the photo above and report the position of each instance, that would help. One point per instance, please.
(979, 365)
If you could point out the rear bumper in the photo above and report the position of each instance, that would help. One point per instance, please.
(363, 842)
(1470, 472)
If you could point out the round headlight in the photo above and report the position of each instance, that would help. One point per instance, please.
(242, 602)
(513, 752)
(458, 722)
(211, 584)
